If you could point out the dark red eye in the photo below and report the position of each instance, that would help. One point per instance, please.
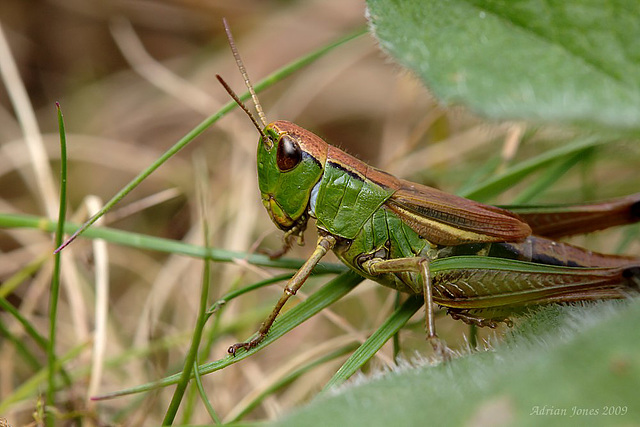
(289, 153)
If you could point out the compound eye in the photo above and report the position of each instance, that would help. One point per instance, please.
(289, 153)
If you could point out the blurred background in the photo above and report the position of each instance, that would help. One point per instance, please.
(132, 78)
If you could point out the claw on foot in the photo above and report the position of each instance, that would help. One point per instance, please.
(248, 345)
(232, 350)
(442, 352)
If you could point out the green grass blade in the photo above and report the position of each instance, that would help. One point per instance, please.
(550, 176)
(203, 394)
(510, 177)
(141, 241)
(201, 320)
(55, 280)
(185, 377)
(375, 342)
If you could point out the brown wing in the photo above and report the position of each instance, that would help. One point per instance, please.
(445, 219)
(560, 221)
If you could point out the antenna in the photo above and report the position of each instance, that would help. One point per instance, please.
(236, 98)
(243, 71)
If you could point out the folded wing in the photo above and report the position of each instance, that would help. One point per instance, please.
(445, 219)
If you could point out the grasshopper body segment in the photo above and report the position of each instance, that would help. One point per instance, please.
(346, 196)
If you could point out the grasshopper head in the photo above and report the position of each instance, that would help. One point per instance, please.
(290, 163)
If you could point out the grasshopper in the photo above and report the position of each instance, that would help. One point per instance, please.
(389, 230)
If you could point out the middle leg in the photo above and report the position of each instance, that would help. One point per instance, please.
(418, 265)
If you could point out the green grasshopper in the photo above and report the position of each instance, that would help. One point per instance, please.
(389, 230)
